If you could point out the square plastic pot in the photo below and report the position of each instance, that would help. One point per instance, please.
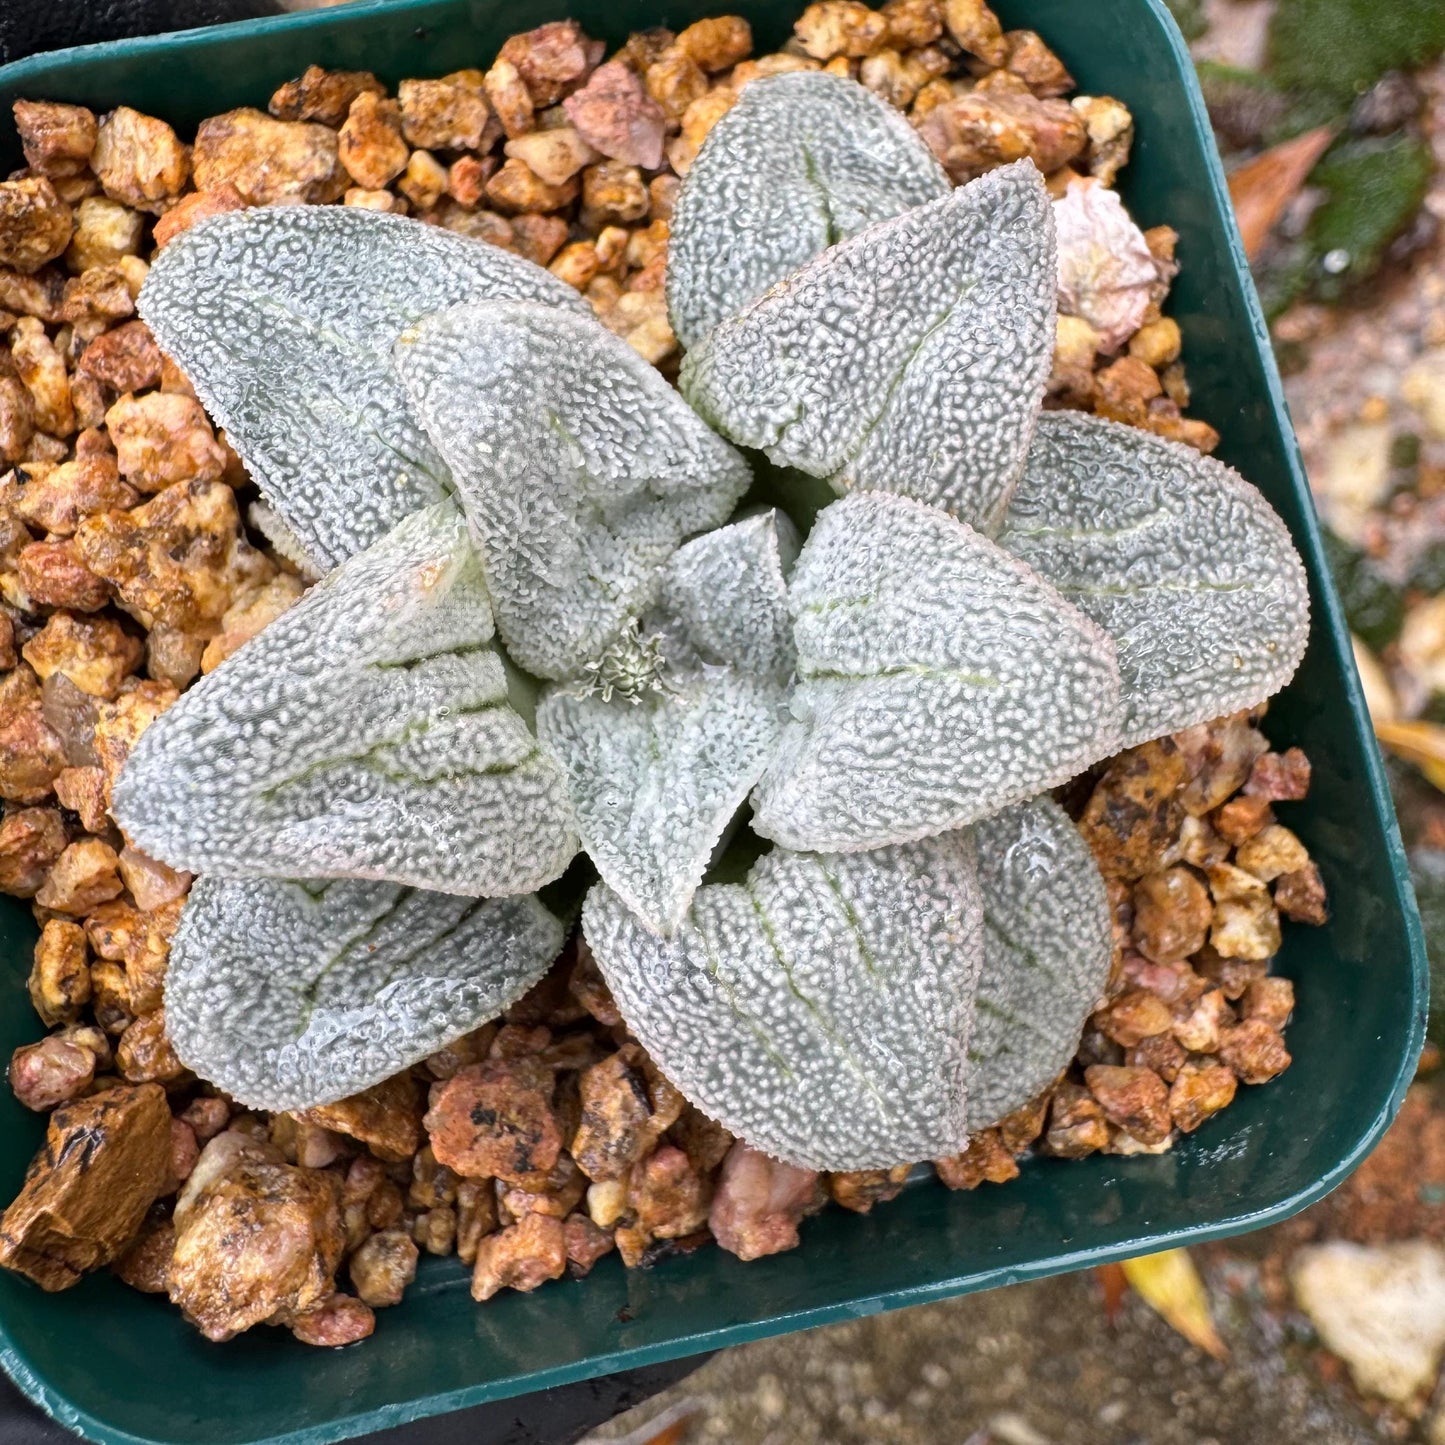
(124, 1367)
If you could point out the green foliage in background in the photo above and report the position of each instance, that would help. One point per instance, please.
(1373, 187)
(1342, 47)
(1374, 607)
(1189, 17)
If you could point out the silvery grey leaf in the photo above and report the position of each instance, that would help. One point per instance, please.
(655, 780)
(283, 318)
(1175, 556)
(579, 467)
(1047, 951)
(288, 994)
(939, 680)
(801, 161)
(726, 593)
(821, 1010)
(911, 358)
(365, 733)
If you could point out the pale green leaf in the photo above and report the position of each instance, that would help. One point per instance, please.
(1047, 949)
(911, 358)
(801, 162)
(284, 317)
(365, 733)
(656, 779)
(725, 595)
(291, 994)
(939, 680)
(1175, 556)
(579, 467)
(821, 1010)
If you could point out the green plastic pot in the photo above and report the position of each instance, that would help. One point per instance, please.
(124, 1367)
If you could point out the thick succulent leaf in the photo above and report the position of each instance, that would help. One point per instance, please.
(820, 1010)
(654, 785)
(291, 994)
(283, 318)
(579, 467)
(366, 733)
(912, 358)
(801, 162)
(939, 680)
(1174, 555)
(725, 595)
(1047, 949)
(656, 781)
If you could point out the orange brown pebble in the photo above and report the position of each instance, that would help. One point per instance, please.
(984, 1160)
(338, 1320)
(57, 139)
(31, 839)
(552, 60)
(1200, 1090)
(1135, 1099)
(85, 1194)
(585, 1244)
(760, 1202)
(322, 95)
(35, 224)
(1132, 819)
(50, 1072)
(860, 1189)
(386, 1118)
(1255, 1051)
(495, 1119)
(1280, 777)
(268, 161)
(1172, 912)
(521, 1257)
(59, 982)
(140, 160)
(214, 201)
(254, 1237)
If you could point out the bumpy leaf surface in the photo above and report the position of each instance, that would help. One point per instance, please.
(283, 318)
(820, 1010)
(911, 358)
(724, 597)
(1174, 555)
(939, 680)
(291, 994)
(1047, 949)
(366, 733)
(579, 467)
(801, 162)
(656, 781)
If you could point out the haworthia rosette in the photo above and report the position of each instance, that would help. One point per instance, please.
(911, 358)
(799, 163)
(1047, 950)
(820, 1010)
(579, 467)
(656, 780)
(291, 994)
(366, 733)
(1175, 556)
(939, 680)
(283, 318)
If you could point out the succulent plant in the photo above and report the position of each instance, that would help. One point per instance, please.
(835, 902)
